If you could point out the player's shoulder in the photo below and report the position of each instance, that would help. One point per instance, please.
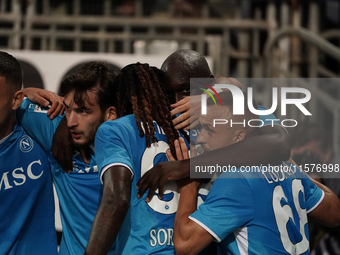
(124, 121)
(33, 107)
(20, 142)
(37, 111)
(231, 178)
(15, 136)
(123, 124)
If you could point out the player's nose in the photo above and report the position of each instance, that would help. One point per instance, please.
(200, 138)
(72, 120)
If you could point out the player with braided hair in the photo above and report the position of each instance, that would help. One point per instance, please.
(123, 155)
(140, 92)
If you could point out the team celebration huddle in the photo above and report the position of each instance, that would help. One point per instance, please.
(119, 147)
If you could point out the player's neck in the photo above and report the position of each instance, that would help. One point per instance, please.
(8, 126)
(85, 152)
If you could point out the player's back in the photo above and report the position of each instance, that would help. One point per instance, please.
(266, 211)
(119, 142)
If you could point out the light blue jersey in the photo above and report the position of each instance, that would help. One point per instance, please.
(118, 143)
(26, 195)
(79, 192)
(260, 212)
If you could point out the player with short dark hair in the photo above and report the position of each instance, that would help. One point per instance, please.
(26, 195)
(88, 104)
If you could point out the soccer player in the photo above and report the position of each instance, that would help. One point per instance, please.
(26, 195)
(125, 150)
(87, 100)
(177, 69)
(261, 211)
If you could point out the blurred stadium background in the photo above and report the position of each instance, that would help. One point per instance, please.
(244, 38)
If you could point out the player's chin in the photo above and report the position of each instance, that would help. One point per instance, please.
(204, 150)
(81, 143)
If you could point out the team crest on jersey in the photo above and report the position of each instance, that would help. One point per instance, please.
(26, 144)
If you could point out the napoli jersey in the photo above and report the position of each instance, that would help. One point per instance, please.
(26, 195)
(118, 143)
(79, 192)
(263, 212)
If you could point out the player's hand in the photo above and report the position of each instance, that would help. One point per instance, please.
(181, 150)
(62, 147)
(190, 107)
(183, 153)
(46, 98)
(161, 173)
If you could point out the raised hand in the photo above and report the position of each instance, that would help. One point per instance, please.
(46, 98)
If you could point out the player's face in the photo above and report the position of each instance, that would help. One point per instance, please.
(6, 101)
(83, 122)
(222, 135)
(177, 87)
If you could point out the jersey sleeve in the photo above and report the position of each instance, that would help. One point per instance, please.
(111, 145)
(228, 206)
(33, 118)
(314, 195)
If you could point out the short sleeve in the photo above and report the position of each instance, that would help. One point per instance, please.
(314, 195)
(228, 206)
(33, 118)
(111, 145)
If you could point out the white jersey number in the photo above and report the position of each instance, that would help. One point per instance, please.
(284, 212)
(158, 205)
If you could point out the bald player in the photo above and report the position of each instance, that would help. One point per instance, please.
(177, 69)
(255, 211)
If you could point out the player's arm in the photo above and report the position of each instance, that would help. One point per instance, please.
(269, 147)
(328, 211)
(115, 168)
(46, 98)
(189, 237)
(34, 119)
(62, 147)
(112, 210)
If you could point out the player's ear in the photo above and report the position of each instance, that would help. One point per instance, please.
(110, 113)
(240, 136)
(17, 99)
